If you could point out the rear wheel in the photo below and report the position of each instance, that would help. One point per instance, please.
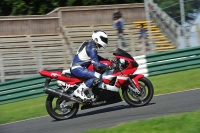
(57, 109)
(145, 96)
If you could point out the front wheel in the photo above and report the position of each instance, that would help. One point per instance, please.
(58, 110)
(145, 96)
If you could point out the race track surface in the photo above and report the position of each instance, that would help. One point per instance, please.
(109, 115)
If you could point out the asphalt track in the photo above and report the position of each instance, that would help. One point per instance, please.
(109, 115)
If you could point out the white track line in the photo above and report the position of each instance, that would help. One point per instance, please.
(23, 120)
(122, 101)
(177, 92)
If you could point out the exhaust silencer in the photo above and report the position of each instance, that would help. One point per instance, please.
(60, 94)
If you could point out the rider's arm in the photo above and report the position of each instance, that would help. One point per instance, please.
(94, 59)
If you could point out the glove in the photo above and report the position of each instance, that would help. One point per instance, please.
(112, 67)
(113, 60)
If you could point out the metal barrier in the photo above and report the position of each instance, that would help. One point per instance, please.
(22, 89)
(178, 60)
(150, 65)
(168, 62)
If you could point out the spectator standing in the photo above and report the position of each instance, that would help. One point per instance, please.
(143, 38)
(118, 23)
(142, 32)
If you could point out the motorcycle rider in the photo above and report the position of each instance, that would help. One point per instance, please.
(87, 54)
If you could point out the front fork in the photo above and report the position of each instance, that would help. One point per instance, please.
(133, 79)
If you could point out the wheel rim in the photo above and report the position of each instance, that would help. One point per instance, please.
(59, 112)
(144, 95)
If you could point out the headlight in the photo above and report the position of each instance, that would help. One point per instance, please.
(122, 61)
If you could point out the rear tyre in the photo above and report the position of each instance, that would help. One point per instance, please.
(145, 96)
(60, 113)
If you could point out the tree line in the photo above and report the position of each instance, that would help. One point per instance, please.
(41, 7)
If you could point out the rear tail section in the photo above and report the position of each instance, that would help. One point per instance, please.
(58, 75)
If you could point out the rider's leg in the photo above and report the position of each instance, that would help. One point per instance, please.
(85, 74)
(79, 92)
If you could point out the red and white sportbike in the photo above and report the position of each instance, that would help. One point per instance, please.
(137, 90)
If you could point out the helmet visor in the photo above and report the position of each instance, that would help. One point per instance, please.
(104, 39)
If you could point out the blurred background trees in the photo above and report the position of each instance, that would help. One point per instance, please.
(172, 8)
(41, 7)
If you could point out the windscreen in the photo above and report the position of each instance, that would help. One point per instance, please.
(120, 52)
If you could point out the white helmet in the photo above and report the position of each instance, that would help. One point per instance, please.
(100, 37)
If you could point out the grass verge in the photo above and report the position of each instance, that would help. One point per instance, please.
(166, 83)
(179, 123)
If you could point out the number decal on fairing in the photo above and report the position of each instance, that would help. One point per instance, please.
(55, 75)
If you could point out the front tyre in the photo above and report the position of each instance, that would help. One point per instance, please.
(145, 96)
(56, 110)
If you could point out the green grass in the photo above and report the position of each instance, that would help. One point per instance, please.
(180, 123)
(178, 81)
(166, 83)
(22, 110)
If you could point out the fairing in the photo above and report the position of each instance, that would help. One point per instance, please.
(59, 76)
(135, 79)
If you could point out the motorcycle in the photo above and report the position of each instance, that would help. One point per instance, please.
(136, 89)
